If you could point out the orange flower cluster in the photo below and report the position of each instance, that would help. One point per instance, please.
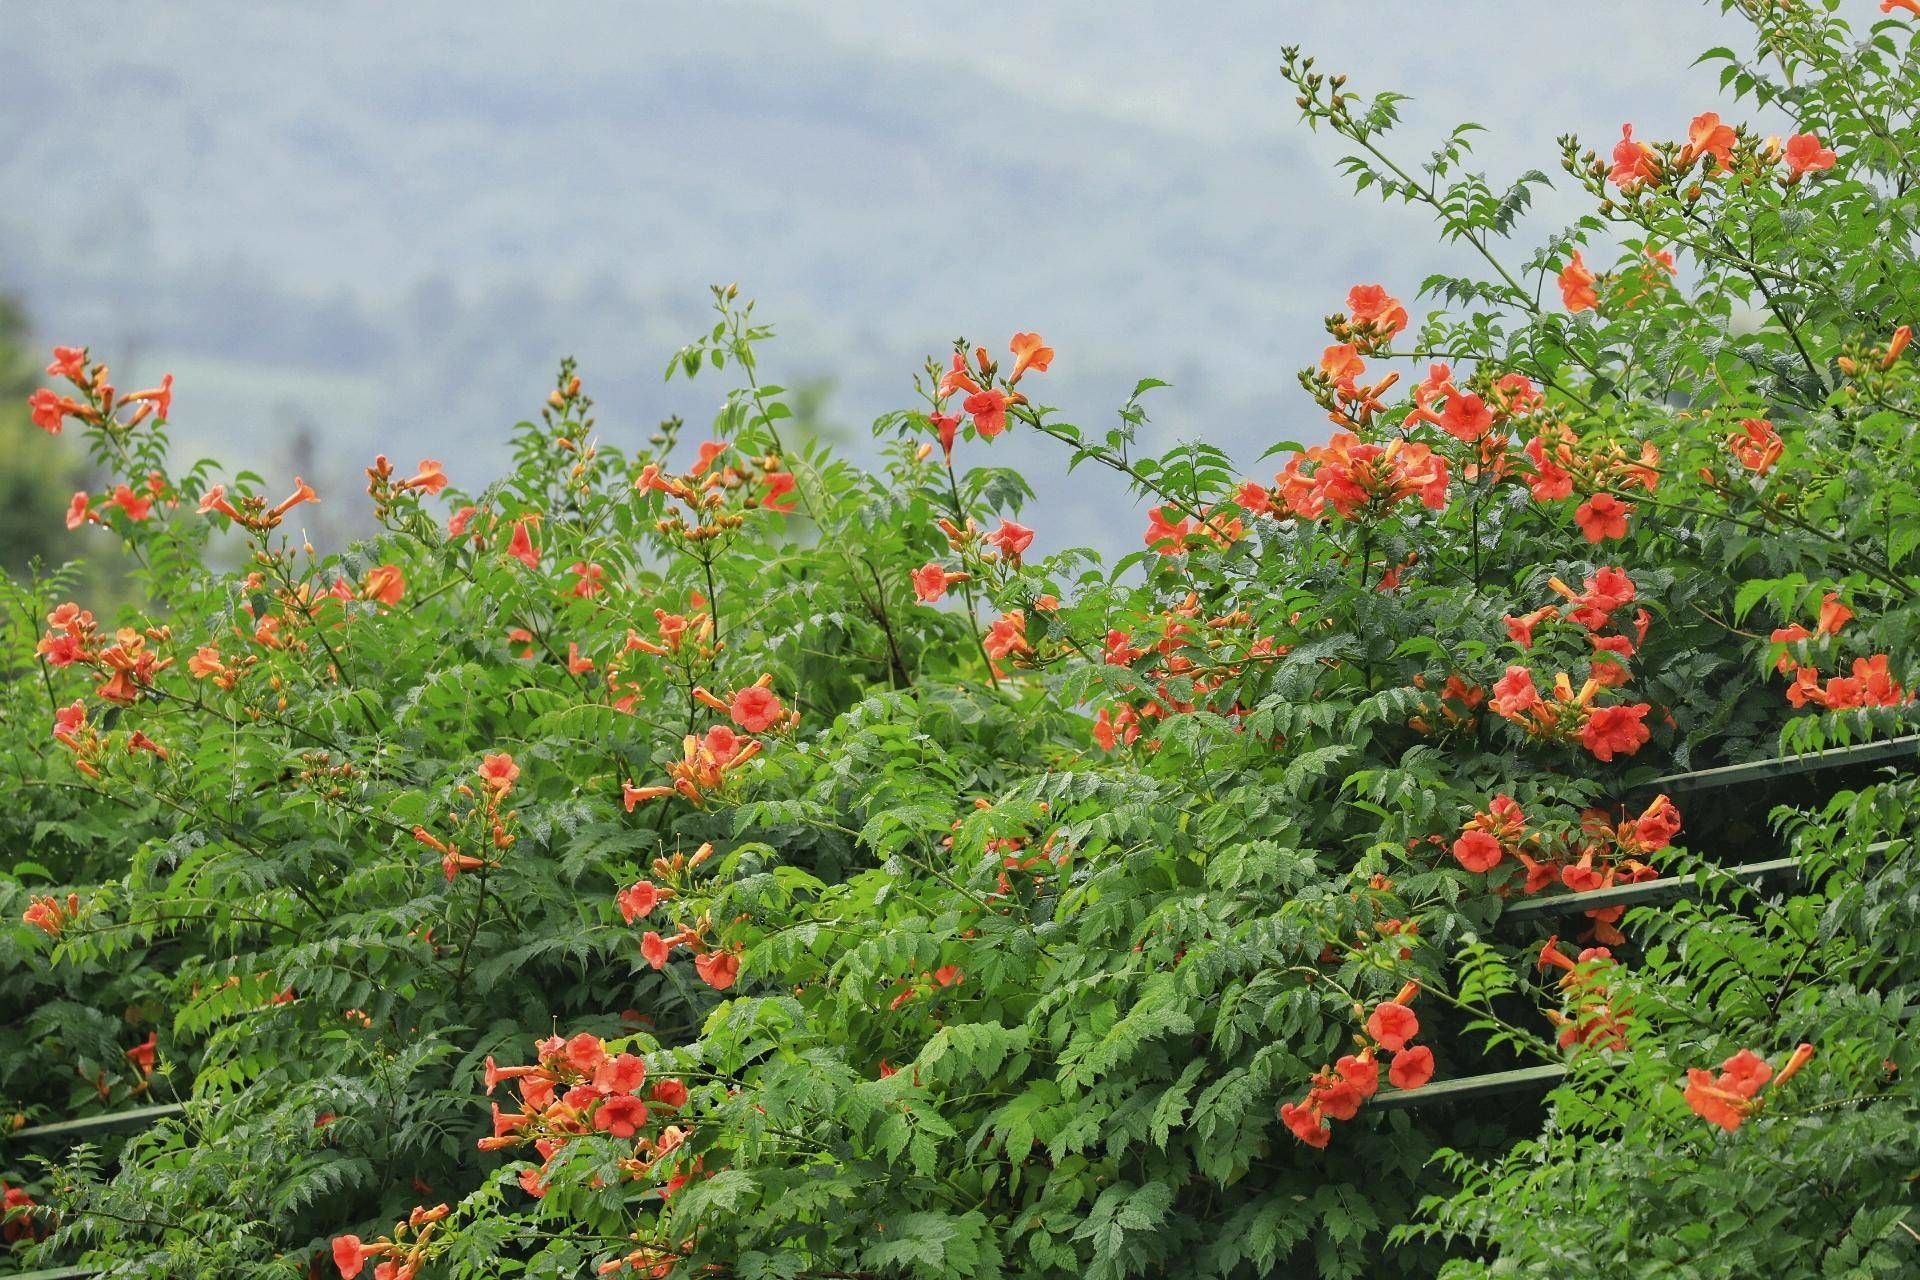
(1338, 1091)
(73, 637)
(1594, 607)
(383, 584)
(428, 478)
(1576, 282)
(1116, 726)
(689, 635)
(707, 761)
(290, 612)
(1563, 462)
(1477, 418)
(1596, 1022)
(576, 1088)
(1336, 1094)
(403, 1258)
(717, 967)
(98, 403)
(1358, 478)
(16, 1215)
(1640, 166)
(50, 915)
(1755, 446)
(70, 637)
(1360, 481)
(1009, 540)
(703, 769)
(1456, 707)
(1171, 537)
(1566, 716)
(208, 663)
(1871, 683)
(1613, 849)
(1607, 851)
(72, 732)
(1490, 836)
(984, 397)
(1374, 318)
(686, 641)
(254, 513)
(1007, 636)
(133, 503)
(716, 494)
(1181, 629)
(489, 822)
(1729, 1098)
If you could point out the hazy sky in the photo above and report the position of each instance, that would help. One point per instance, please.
(387, 222)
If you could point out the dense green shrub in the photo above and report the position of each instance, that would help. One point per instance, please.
(822, 886)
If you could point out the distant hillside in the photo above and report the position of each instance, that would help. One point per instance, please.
(388, 222)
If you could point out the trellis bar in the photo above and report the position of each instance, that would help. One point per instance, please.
(1906, 747)
(1465, 1087)
(86, 1126)
(1668, 889)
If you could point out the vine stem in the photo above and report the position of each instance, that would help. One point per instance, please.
(1106, 459)
(966, 587)
(1344, 125)
(742, 346)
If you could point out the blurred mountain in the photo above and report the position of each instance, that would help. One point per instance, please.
(384, 224)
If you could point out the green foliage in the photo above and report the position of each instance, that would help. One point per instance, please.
(1016, 919)
(1631, 1180)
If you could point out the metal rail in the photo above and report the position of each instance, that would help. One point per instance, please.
(1666, 889)
(1906, 747)
(1545, 1077)
(1463, 1087)
(1669, 889)
(76, 1131)
(111, 1122)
